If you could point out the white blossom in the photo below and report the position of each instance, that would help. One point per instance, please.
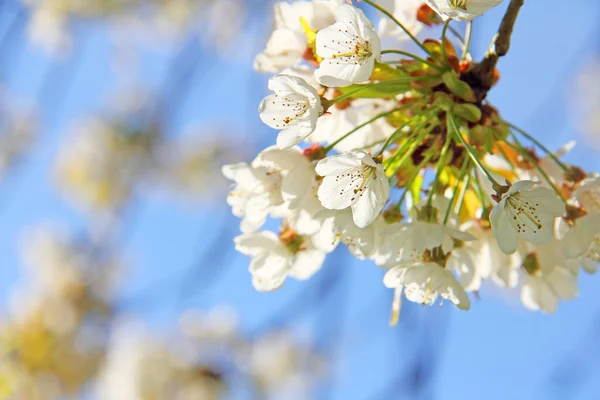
(255, 194)
(582, 242)
(528, 211)
(355, 180)
(478, 260)
(424, 282)
(275, 258)
(462, 10)
(349, 49)
(588, 193)
(362, 242)
(294, 109)
(404, 11)
(288, 44)
(549, 277)
(339, 121)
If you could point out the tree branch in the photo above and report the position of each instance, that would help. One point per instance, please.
(481, 76)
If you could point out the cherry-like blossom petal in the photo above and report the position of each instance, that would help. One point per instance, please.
(349, 49)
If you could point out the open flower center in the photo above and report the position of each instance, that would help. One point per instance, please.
(524, 212)
(460, 4)
(360, 179)
(295, 106)
(353, 50)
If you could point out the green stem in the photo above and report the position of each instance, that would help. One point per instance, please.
(378, 116)
(541, 146)
(389, 140)
(406, 53)
(438, 169)
(470, 151)
(479, 190)
(372, 144)
(461, 176)
(461, 197)
(389, 15)
(413, 143)
(383, 83)
(468, 35)
(444, 31)
(413, 177)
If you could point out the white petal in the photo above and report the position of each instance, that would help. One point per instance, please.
(536, 294)
(307, 263)
(336, 165)
(370, 202)
(252, 244)
(578, 240)
(394, 277)
(502, 229)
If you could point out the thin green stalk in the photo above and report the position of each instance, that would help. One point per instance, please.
(479, 189)
(467, 42)
(540, 145)
(457, 34)
(429, 113)
(470, 150)
(529, 158)
(413, 177)
(406, 53)
(402, 148)
(372, 144)
(461, 176)
(461, 197)
(444, 31)
(440, 166)
(414, 143)
(378, 116)
(389, 15)
(383, 83)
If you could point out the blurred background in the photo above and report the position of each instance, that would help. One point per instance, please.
(118, 277)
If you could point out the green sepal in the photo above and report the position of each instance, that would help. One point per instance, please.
(457, 87)
(469, 112)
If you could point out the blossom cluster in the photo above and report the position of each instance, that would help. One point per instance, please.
(405, 162)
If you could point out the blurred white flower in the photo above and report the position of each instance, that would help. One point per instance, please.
(275, 258)
(404, 11)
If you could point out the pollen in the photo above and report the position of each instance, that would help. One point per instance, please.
(524, 214)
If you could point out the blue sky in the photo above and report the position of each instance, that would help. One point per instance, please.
(497, 350)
